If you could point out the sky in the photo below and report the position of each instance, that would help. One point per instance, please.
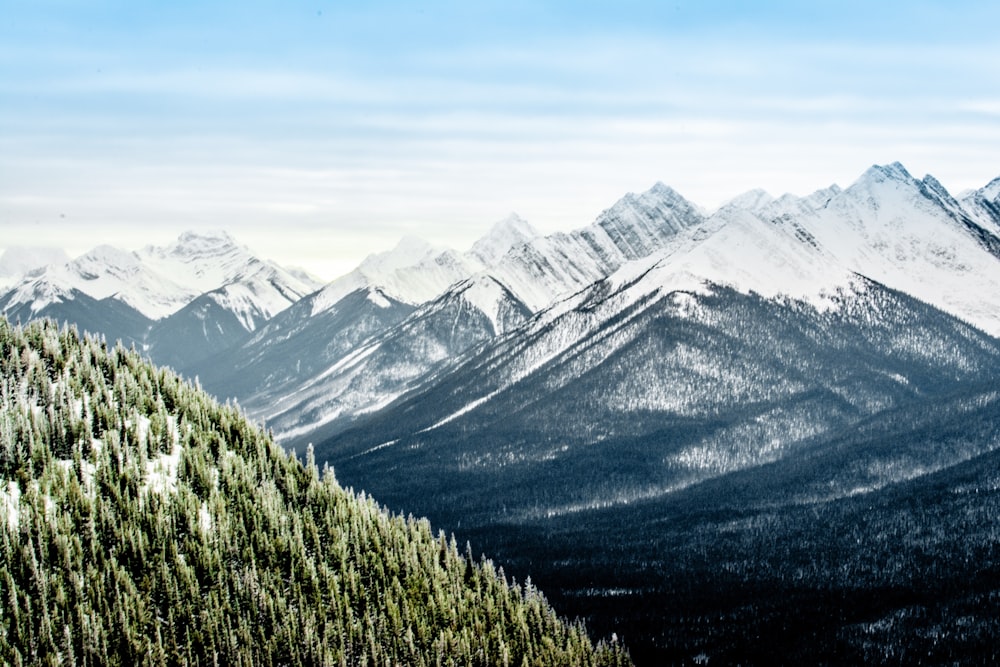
(319, 132)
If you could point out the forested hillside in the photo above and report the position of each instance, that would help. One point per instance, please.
(143, 523)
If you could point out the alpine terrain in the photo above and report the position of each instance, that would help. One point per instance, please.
(143, 523)
(772, 439)
(768, 434)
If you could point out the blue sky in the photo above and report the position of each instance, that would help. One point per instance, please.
(319, 132)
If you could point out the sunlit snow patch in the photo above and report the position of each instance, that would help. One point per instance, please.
(161, 472)
(10, 501)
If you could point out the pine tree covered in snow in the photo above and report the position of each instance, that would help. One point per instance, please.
(143, 523)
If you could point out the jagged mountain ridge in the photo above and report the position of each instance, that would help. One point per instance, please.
(567, 443)
(984, 205)
(829, 235)
(804, 352)
(719, 380)
(485, 302)
(180, 303)
(919, 238)
(388, 364)
(159, 281)
(298, 345)
(19, 261)
(907, 234)
(550, 267)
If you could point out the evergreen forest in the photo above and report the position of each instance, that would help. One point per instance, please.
(144, 523)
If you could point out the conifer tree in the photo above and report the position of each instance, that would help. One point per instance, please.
(143, 523)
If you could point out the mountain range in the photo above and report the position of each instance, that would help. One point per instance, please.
(178, 303)
(629, 407)
(889, 227)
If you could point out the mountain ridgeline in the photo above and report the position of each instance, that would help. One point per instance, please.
(143, 523)
(725, 475)
(768, 434)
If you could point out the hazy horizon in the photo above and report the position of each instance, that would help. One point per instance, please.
(318, 133)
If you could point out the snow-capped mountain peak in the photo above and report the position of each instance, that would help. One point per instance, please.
(753, 200)
(983, 206)
(550, 267)
(659, 200)
(204, 260)
(879, 173)
(194, 242)
(159, 281)
(101, 273)
(991, 190)
(487, 295)
(637, 218)
(413, 272)
(18, 261)
(506, 234)
(409, 251)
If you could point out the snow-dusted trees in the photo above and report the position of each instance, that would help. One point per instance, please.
(143, 523)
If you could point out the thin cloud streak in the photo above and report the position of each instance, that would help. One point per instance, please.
(377, 124)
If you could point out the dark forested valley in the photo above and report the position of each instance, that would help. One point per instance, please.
(867, 535)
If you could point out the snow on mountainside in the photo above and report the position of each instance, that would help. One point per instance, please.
(550, 267)
(388, 364)
(260, 292)
(741, 342)
(509, 233)
(733, 248)
(207, 294)
(214, 263)
(637, 388)
(537, 269)
(158, 282)
(102, 273)
(984, 206)
(415, 272)
(790, 205)
(412, 272)
(912, 236)
(888, 227)
(18, 261)
(753, 201)
(463, 300)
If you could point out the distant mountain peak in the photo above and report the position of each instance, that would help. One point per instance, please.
(408, 251)
(220, 235)
(751, 200)
(991, 191)
(22, 260)
(658, 196)
(657, 212)
(504, 235)
(202, 242)
(515, 222)
(894, 171)
(109, 255)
